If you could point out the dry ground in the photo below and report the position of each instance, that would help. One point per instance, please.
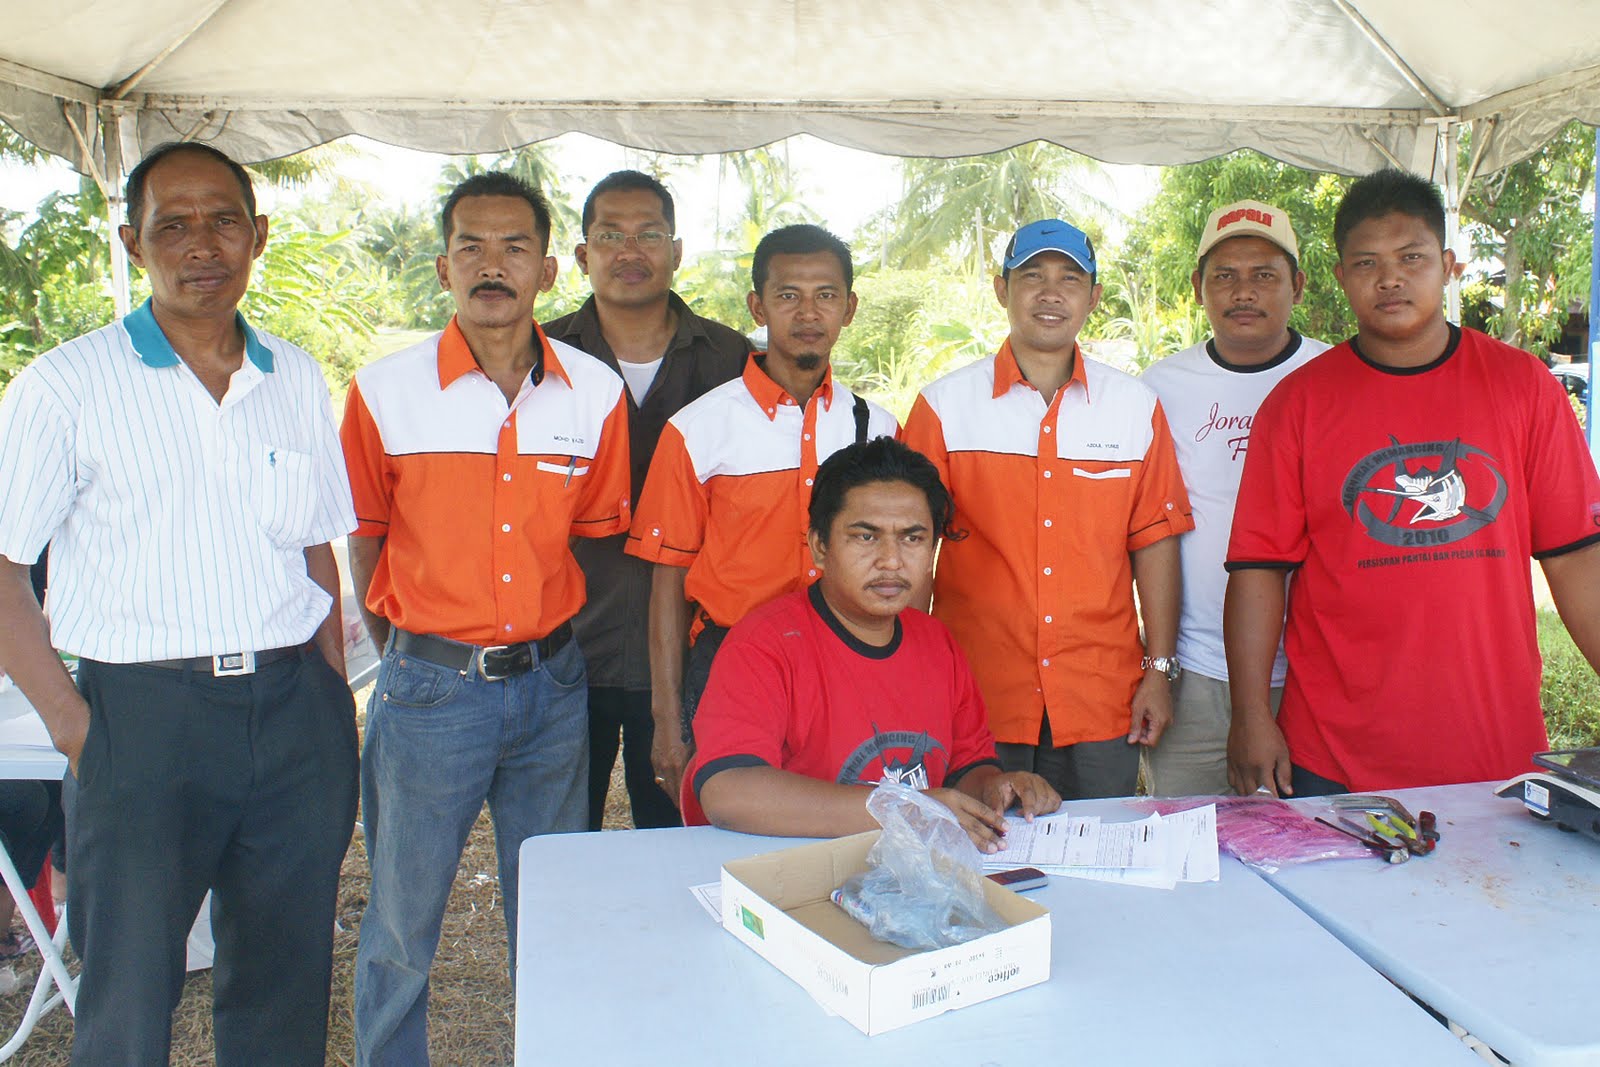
(470, 1010)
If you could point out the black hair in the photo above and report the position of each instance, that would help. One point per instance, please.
(1388, 192)
(882, 459)
(801, 239)
(1294, 264)
(629, 181)
(139, 177)
(498, 183)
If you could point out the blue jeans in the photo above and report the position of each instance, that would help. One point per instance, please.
(439, 743)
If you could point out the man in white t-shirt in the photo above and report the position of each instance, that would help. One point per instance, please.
(1248, 280)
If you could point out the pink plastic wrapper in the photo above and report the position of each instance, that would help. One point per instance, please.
(1268, 834)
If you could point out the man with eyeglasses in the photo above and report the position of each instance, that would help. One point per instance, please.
(636, 325)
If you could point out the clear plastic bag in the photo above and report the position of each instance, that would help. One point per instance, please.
(923, 887)
(1268, 834)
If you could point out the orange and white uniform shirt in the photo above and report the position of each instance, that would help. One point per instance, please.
(730, 485)
(1053, 493)
(476, 498)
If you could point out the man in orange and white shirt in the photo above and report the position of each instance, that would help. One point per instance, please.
(723, 515)
(1065, 480)
(474, 458)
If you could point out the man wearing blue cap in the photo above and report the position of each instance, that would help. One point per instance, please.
(1065, 478)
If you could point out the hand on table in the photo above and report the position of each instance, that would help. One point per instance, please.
(985, 825)
(1031, 793)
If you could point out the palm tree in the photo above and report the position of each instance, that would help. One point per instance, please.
(534, 164)
(955, 208)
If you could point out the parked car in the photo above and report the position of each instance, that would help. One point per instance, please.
(1575, 376)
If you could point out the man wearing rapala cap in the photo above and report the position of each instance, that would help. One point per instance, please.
(1248, 280)
(1065, 480)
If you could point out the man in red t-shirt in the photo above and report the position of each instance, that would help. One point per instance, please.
(1405, 477)
(818, 695)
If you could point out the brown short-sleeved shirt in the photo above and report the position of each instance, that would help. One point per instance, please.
(613, 627)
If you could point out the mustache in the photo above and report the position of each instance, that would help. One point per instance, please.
(492, 287)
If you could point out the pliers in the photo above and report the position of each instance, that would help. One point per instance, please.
(1388, 820)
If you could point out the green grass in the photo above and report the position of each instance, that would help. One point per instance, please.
(1571, 692)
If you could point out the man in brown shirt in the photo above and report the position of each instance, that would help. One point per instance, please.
(668, 356)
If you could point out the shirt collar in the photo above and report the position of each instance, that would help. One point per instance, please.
(156, 351)
(585, 326)
(456, 359)
(1008, 373)
(770, 395)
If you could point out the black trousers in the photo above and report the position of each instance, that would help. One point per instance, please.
(30, 822)
(1307, 784)
(620, 713)
(1083, 771)
(245, 786)
(697, 672)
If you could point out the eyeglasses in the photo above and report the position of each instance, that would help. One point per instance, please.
(615, 240)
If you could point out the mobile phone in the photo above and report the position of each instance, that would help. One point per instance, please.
(1020, 879)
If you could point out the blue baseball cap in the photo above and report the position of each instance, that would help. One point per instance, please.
(1050, 235)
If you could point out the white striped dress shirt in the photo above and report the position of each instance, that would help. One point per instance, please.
(176, 524)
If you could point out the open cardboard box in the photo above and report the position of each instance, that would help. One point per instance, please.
(777, 903)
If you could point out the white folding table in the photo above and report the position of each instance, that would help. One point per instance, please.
(618, 963)
(1498, 930)
(26, 753)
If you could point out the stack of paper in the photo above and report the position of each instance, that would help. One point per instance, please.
(1157, 852)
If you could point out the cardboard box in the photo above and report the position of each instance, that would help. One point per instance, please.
(777, 903)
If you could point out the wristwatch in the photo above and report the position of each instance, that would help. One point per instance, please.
(1167, 665)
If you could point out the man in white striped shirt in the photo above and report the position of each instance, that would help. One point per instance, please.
(185, 471)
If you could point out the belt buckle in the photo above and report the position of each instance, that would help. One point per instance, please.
(485, 652)
(233, 664)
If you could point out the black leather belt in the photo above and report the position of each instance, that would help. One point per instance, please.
(491, 662)
(229, 664)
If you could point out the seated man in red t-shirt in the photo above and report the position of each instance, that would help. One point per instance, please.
(821, 693)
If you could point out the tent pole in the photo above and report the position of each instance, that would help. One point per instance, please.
(111, 141)
(1594, 299)
(1449, 143)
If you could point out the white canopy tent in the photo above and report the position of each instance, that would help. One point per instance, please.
(1342, 85)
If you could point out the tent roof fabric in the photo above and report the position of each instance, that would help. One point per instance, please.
(1343, 85)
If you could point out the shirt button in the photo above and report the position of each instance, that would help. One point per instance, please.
(811, 573)
(1047, 474)
(508, 627)
(806, 436)
(1047, 429)
(772, 411)
(1044, 663)
(505, 577)
(808, 481)
(505, 527)
(1047, 522)
(1047, 570)
(1169, 505)
(505, 477)
(508, 424)
(1049, 618)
